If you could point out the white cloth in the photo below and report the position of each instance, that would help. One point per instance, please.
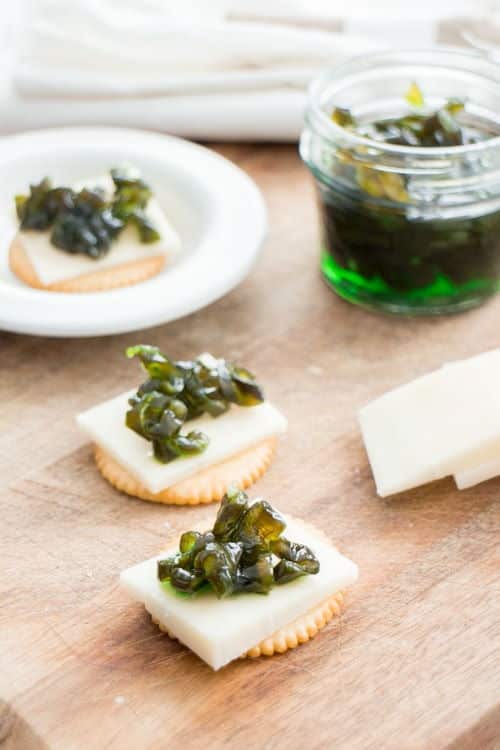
(89, 48)
(208, 69)
(180, 67)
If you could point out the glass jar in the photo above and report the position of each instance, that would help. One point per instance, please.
(430, 241)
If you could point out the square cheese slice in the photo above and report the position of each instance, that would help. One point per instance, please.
(52, 264)
(435, 426)
(233, 432)
(220, 630)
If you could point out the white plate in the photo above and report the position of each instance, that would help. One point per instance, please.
(215, 207)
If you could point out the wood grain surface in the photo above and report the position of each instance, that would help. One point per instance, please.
(413, 663)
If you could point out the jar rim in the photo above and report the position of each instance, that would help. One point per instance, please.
(321, 121)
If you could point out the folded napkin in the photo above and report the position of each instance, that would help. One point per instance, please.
(191, 68)
(92, 49)
(208, 69)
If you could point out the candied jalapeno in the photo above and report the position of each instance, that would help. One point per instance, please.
(245, 552)
(409, 200)
(178, 391)
(87, 221)
(423, 126)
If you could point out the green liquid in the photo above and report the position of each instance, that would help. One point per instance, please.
(384, 249)
(440, 296)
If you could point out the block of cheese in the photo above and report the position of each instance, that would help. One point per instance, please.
(437, 425)
(483, 464)
(52, 264)
(484, 470)
(220, 630)
(229, 434)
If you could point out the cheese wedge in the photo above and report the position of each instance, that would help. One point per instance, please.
(240, 428)
(220, 630)
(441, 424)
(52, 264)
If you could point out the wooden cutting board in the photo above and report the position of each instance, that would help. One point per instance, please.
(413, 662)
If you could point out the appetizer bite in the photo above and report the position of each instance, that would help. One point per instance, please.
(191, 429)
(109, 232)
(220, 576)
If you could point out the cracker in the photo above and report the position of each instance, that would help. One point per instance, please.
(207, 486)
(301, 630)
(117, 276)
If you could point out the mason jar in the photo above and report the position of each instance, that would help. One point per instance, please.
(429, 242)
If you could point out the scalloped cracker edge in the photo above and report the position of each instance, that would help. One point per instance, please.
(126, 274)
(207, 486)
(303, 629)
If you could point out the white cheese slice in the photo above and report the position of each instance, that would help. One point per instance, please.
(484, 470)
(484, 463)
(229, 434)
(435, 426)
(220, 630)
(399, 438)
(492, 356)
(52, 264)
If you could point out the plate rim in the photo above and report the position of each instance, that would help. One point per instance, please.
(248, 196)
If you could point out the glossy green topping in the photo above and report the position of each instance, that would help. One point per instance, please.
(130, 201)
(245, 552)
(420, 127)
(410, 233)
(87, 221)
(176, 392)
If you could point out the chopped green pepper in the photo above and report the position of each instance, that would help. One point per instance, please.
(382, 243)
(176, 392)
(418, 128)
(244, 553)
(88, 221)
